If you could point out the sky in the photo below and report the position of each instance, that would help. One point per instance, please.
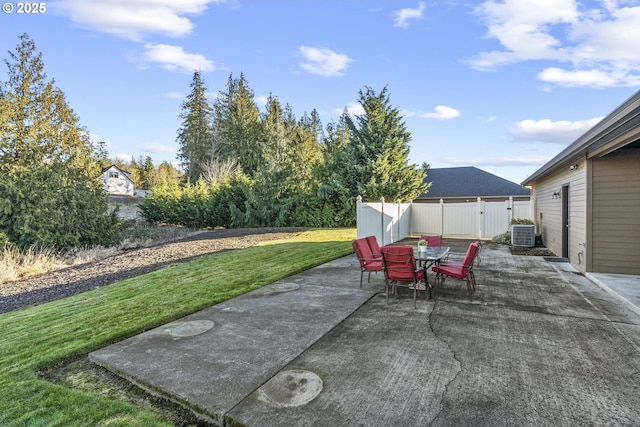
(503, 85)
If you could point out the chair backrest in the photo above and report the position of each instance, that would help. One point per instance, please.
(399, 263)
(470, 256)
(363, 252)
(373, 245)
(432, 240)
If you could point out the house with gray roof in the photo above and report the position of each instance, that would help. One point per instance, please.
(469, 183)
(587, 198)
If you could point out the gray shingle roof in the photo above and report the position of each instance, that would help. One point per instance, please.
(469, 181)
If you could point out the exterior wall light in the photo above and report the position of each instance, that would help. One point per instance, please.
(556, 194)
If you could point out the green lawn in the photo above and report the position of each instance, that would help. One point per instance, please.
(36, 337)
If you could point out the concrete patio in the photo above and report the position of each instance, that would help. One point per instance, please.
(536, 344)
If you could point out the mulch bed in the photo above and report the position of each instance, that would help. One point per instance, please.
(535, 251)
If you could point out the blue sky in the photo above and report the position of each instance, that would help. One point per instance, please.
(501, 85)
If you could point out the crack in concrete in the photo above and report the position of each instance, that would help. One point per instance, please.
(455, 357)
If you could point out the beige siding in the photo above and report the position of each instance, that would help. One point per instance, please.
(616, 213)
(549, 212)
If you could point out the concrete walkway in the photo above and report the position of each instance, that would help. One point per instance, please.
(536, 344)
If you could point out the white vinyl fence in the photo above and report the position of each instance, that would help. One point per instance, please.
(480, 219)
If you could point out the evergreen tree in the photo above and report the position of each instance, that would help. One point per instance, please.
(328, 202)
(50, 192)
(273, 140)
(303, 153)
(165, 174)
(333, 149)
(267, 199)
(195, 136)
(316, 125)
(377, 154)
(238, 127)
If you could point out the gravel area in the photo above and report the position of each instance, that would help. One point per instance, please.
(72, 280)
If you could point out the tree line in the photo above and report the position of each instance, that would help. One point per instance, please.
(272, 168)
(240, 166)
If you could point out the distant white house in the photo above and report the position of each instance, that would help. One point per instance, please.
(117, 182)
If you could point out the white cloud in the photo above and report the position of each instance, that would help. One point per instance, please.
(403, 16)
(609, 35)
(592, 78)
(175, 95)
(123, 157)
(156, 148)
(172, 58)
(353, 109)
(323, 62)
(261, 100)
(133, 19)
(597, 43)
(442, 112)
(559, 132)
(523, 29)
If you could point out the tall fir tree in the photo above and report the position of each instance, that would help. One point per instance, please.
(304, 151)
(267, 201)
(50, 193)
(238, 127)
(273, 138)
(196, 136)
(377, 155)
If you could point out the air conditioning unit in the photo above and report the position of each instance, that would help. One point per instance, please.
(523, 235)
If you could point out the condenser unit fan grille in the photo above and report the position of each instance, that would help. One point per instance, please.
(523, 235)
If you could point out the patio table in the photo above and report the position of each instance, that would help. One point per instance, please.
(433, 255)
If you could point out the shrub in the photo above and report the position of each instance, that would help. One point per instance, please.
(521, 221)
(43, 208)
(502, 239)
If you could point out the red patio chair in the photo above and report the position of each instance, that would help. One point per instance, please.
(368, 262)
(373, 245)
(459, 270)
(400, 267)
(432, 240)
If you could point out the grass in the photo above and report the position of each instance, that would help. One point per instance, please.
(16, 264)
(37, 337)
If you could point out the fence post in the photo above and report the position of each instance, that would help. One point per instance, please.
(398, 219)
(358, 215)
(442, 217)
(480, 217)
(382, 219)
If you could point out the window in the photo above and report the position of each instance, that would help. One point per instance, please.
(113, 174)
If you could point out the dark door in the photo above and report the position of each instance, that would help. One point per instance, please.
(565, 221)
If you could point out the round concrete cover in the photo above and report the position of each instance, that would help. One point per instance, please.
(291, 388)
(285, 287)
(278, 288)
(189, 328)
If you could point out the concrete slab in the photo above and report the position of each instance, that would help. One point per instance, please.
(383, 366)
(536, 344)
(211, 360)
(625, 287)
